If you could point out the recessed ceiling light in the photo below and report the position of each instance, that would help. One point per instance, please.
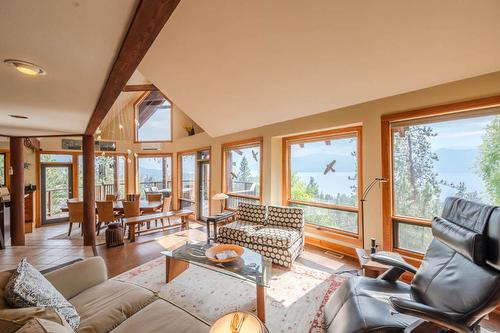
(17, 116)
(25, 67)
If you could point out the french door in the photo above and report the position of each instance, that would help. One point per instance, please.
(56, 189)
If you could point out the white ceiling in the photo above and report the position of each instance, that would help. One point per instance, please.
(233, 65)
(76, 42)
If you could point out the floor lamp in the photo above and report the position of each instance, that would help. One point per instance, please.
(363, 199)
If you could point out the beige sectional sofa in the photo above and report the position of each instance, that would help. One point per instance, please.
(109, 305)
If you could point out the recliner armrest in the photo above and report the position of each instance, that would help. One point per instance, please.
(428, 313)
(391, 261)
(397, 269)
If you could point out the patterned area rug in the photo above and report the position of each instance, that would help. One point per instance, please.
(294, 302)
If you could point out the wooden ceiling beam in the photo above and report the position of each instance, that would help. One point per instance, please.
(149, 19)
(139, 87)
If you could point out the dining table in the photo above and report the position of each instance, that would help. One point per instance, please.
(144, 205)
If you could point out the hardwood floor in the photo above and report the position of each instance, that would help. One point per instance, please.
(44, 252)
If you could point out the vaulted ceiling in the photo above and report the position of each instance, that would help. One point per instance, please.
(233, 65)
(76, 42)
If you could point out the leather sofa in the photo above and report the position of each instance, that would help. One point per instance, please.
(456, 286)
(276, 232)
(108, 305)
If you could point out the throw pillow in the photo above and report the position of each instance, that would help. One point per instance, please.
(27, 287)
(13, 319)
(37, 325)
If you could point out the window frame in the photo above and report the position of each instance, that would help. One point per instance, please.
(136, 117)
(476, 107)
(6, 167)
(324, 231)
(195, 152)
(246, 143)
(152, 155)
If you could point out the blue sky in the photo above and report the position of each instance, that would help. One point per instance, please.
(459, 134)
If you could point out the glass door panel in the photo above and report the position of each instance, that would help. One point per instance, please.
(56, 189)
(203, 191)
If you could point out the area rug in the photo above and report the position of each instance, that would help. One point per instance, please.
(294, 300)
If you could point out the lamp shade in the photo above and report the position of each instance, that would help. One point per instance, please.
(248, 323)
(220, 196)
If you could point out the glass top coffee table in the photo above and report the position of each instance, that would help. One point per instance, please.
(251, 267)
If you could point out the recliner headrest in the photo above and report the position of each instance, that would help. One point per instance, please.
(470, 228)
(468, 243)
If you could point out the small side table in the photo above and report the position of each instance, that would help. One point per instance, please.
(372, 268)
(215, 219)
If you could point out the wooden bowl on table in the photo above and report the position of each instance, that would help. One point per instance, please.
(212, 252)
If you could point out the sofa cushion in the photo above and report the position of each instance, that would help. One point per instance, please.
(27, 287)
(290, 217)
(239, 230)
(276, 236)
(162, 316)
(4, 278)
(108, 304)
(37, 325)
(13, 319)
(251, 213)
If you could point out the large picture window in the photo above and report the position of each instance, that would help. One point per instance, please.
(153, 118)
(154, 174)
(242, 172)
(321, 176)
(434, 157)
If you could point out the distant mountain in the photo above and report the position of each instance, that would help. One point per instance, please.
(455, 160)
(155, 173)
(318, 163)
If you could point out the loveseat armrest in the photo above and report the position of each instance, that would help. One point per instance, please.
(398, 266)
(73, 279)
(429, 314)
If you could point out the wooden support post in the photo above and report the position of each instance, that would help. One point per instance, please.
(17, 192)
(88, 190)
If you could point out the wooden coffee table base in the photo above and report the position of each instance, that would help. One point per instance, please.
(174, 268)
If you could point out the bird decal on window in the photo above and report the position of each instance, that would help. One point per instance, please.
(329, 167)
(255, 154)
(233, 175)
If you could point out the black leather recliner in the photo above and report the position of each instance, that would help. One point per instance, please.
(456, 286)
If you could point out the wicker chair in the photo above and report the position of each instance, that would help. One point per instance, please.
(105, 214)
(131, 209)
(75, 210)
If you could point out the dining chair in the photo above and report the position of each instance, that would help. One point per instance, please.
(153, 196)
(166, 208)
(133, 197)
(131, 209)
(75, 212)
(105, 214)
(111, 197)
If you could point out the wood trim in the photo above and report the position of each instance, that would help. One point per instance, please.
(148, 20)
(286, 175)
(136, 117)
(7, 166)
(387, 167)
(62, 135)
(139, 87)
(74, 170)
(255, 197)
(250, 142)
(324, 244)
(332, 233)
(444, 109)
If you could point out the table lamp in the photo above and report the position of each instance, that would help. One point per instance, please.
(238, 322)
(221, 197)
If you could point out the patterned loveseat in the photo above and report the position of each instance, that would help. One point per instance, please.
(275, 232)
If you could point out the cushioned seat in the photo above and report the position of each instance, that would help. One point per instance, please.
(365, 303)
(105, 306)
(277, 236)
(161, 316)
(239, 230)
